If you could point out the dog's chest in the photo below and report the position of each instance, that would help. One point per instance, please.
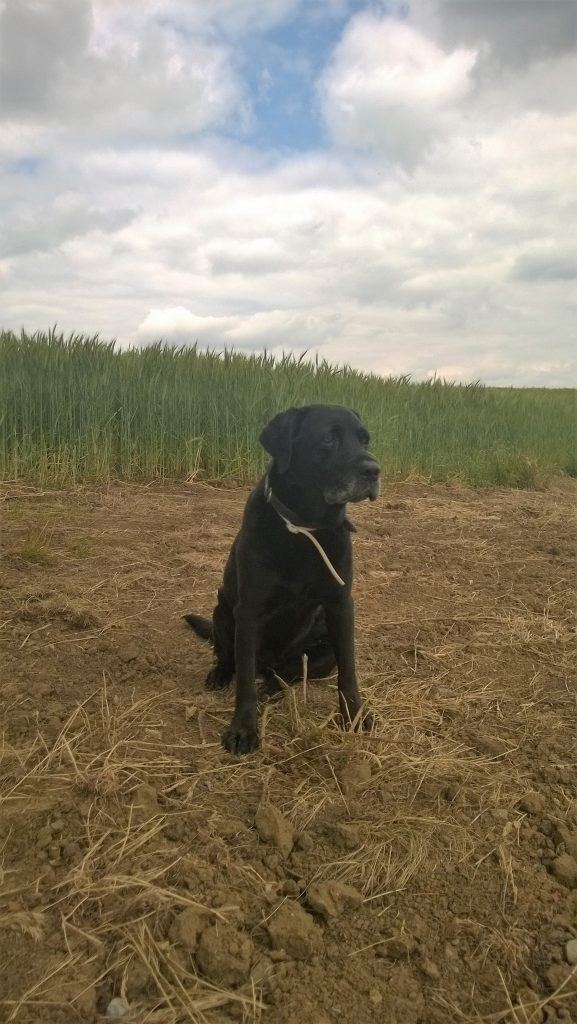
(302, 572)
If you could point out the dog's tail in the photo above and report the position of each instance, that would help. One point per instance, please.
(202, 627)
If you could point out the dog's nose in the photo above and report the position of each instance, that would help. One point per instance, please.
(370, 469)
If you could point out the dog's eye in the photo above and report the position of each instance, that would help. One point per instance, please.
(329, 441)
(364, 438)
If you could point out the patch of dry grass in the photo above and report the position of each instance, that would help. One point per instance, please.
(155, 800)
(112, 912)
(107, 752)
(36, 547)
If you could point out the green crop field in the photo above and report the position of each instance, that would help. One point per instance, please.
(77, 409)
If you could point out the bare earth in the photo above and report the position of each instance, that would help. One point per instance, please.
(424, 874)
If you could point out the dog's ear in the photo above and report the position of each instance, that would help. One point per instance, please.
(278, 436)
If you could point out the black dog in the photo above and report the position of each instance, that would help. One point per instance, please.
(283, 593)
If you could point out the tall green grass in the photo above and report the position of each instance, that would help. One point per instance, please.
(77, 408)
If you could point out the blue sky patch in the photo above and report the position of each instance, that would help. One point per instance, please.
(281, 69)
(30, 166)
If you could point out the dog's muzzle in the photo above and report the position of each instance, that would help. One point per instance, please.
(364, 482)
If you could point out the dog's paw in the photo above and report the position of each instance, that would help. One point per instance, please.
(367, 722)
(241, 738)
(218, 678)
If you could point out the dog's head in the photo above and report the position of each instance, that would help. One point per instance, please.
(323, 448)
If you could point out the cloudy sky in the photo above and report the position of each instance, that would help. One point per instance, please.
(389, 184)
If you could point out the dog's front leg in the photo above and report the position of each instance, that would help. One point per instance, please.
(340, 619)
(241, 737)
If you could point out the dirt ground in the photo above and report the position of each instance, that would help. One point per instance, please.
(422, 875)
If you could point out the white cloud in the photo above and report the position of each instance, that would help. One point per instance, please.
(392, 274)
(508, 34)
(178, 326)
(391, 89)
(70, 217)
(274, 330)
(230, 16)
(432, 237)
(544, 263)
(110, 76)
